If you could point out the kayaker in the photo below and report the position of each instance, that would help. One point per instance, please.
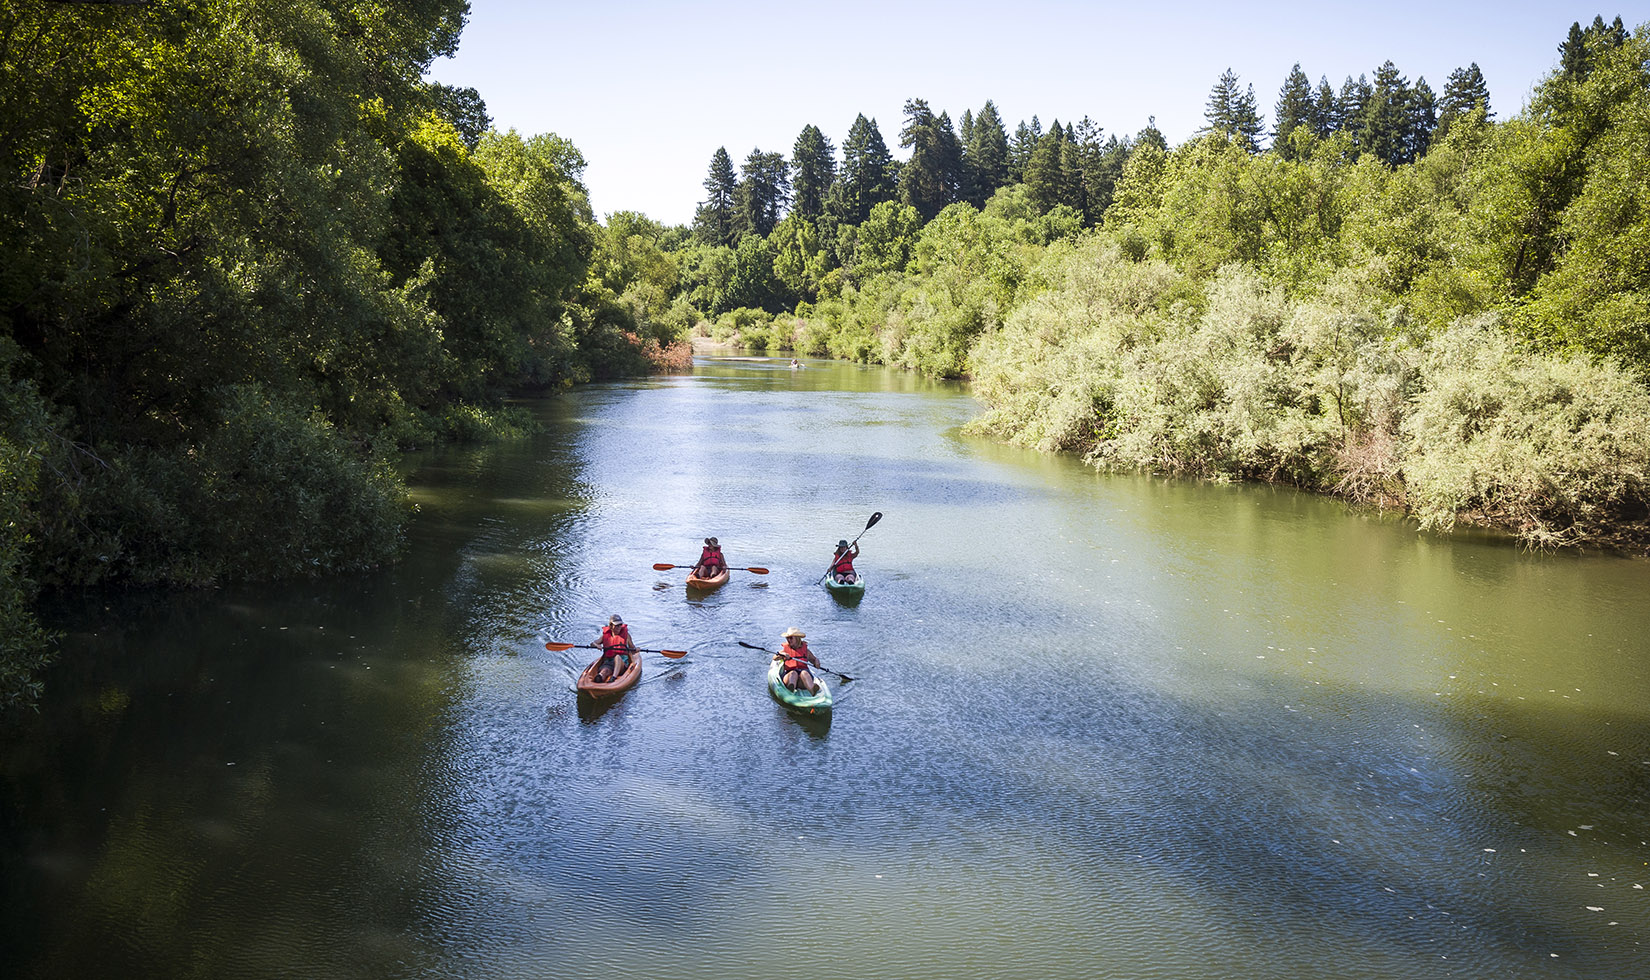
(842, 568)
(794, 673)
(616, 650)
(711, 562)
(796, 365)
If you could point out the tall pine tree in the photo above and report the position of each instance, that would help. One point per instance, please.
(764, 193)
(868, 173)
(1093, 175)
(985, 154)
(1020, 149)
(1383, 126)
(1233, 112)
(1463, 92)
(1583, 46)
(813, 171)
(1326, 109)
(1044, 180)
(1423, 119)
(1350, 103)
(714, 221)
(930, 177)
(1295, 108)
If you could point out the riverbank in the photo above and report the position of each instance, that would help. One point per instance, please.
(1134, 367)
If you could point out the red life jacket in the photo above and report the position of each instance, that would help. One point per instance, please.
(795, 657)
(844, 563)
(711, 560)
(615, 641)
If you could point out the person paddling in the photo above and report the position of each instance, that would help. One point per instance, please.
(711, 562)
(842, 568)
(617, 649)
(794, 672)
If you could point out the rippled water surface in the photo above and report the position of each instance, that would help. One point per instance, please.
(1103, 727)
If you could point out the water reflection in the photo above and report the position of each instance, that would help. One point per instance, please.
(1107, 726)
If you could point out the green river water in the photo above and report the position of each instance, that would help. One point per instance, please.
(1104, 726)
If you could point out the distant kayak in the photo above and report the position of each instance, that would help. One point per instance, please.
(706, 584)
(845, 589)
(798, 702)
(590, 687)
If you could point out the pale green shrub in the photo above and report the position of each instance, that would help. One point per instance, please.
(1049, 375)
(1557, 448)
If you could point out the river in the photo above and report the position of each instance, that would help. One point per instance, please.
(1103, 726)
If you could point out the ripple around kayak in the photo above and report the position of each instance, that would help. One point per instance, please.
(798, 702)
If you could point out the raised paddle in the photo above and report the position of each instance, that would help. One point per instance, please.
(672, 654)
(868, 525)
(776, 653)
(662, 567)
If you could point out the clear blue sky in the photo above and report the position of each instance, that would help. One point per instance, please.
(648, 91)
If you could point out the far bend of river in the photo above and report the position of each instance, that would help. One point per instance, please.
(1108, 727)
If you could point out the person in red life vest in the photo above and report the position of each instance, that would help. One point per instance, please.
(794, 672)
(842, 567)
(711, 562)
(616, 650)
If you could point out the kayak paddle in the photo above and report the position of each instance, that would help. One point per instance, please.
(662, 567)
(778, 654)
(672, 654)
(868, 525)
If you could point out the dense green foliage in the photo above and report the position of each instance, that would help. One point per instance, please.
(246, 253)
(1400, 300)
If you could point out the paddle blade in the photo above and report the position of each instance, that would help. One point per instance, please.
(874, 518)
(752, 646)
(759, 571)
(662, 567)
(560, 646)
(673, 654)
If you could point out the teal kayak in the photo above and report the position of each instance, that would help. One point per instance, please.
(800, 702)
(854, 588)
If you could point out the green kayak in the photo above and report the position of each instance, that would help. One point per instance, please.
(800, 702)
(846, 589)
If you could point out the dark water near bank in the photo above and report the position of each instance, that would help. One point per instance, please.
(1106, 727)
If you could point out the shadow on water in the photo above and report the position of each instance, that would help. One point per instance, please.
(816, 726)
(1122, 727)
(592, 709)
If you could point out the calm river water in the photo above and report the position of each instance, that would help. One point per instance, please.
(1108, 727)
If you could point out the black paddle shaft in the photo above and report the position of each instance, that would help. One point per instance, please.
(868, 525)
(752, 646)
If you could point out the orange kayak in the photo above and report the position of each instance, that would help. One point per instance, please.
(706, 584)
(590, 687)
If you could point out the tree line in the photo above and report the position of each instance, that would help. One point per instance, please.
(1398, 298)
(818, 204)
(1075, 165)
